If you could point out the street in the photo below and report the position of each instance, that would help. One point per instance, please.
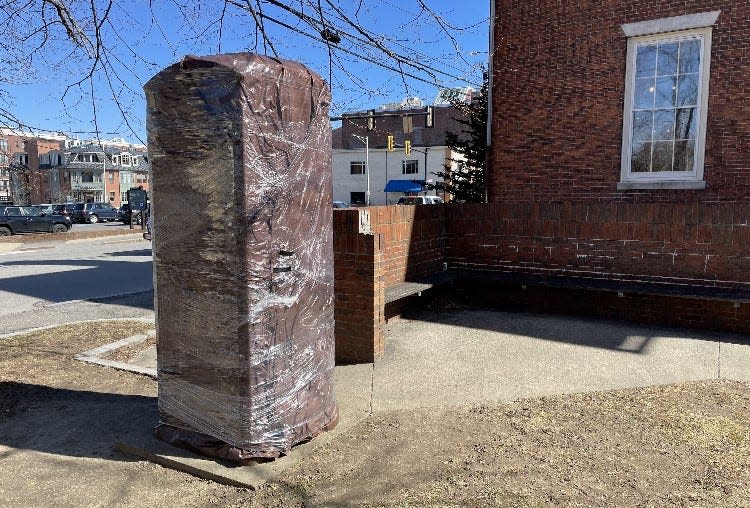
(40, 275)
(109, 226)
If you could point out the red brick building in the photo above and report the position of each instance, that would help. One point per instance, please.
(619, 160)
(618, 182)
(20, 154)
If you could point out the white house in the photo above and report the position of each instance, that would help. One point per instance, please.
(363, 139)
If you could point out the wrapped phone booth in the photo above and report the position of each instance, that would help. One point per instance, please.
(240, 148)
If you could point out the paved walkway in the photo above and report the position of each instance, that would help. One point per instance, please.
(135, 306)
(478, 356)
(482, 357)
(474, 357)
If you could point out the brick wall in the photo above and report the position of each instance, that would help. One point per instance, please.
(721, 315)
(358, 290)
(694, 245)
(413, 241)
(558, 91)
(701, 244)
(375, 248)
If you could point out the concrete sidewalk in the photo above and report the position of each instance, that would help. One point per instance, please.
(138, 306)
(16, 243)
(483, 357)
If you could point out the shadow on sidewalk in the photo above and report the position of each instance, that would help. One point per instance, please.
(579, 330)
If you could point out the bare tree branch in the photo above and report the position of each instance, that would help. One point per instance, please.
(80, 46)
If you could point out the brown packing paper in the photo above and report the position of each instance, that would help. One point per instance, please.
(243, 259)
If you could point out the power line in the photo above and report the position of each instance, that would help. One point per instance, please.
(365, 58)
(342, 16)
(399, 59)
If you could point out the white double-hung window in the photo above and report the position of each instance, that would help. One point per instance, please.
(666, 102)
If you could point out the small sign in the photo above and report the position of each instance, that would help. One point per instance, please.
(137, 199)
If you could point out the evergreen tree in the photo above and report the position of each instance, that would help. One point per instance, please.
(467, 181)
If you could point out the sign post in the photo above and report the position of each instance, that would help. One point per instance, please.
(137, 199)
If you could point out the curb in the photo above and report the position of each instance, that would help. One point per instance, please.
(122, 238)
(77, 237)
(48, 327)
(95, 355)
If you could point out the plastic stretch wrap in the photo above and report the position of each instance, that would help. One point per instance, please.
(240, 149)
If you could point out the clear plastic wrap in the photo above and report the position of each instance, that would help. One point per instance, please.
(243, 258)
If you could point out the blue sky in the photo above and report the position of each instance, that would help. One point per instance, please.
(146, 41)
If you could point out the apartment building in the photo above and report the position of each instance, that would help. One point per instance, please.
(363, 162)
(97, 172)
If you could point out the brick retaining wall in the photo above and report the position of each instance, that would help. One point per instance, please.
(703, 245)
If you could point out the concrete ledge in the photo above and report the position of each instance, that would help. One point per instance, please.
(662, 185)
(405, 289)
(95, 356)
(662, 25)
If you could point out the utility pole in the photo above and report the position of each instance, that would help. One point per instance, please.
(366, 141)
(104, 175)
(425, 169)
(367, 167)
(386, 175)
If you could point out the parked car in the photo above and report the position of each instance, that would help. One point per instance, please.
(420, 200)
(30, 219)
(52, 209)
(340, 204)
(94, 212)
(124, 215)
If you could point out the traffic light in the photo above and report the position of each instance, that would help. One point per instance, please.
(390, 142)
(429, 120)
(407, 147)
(371, 120)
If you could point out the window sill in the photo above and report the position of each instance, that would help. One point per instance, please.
(662, 185)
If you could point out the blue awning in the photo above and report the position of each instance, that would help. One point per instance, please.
(404, 186)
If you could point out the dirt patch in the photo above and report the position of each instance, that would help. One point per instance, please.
(31, 362)
(680, 445)
(667, 446)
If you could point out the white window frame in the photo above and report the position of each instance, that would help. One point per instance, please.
(414, 162)
(667, 30)
(359, 165)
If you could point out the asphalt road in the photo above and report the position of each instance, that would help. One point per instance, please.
(104, 226)
(41, 276)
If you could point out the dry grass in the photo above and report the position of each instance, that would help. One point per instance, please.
(683, 445)
(45, 359)
(679, 445)
(70, 235)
